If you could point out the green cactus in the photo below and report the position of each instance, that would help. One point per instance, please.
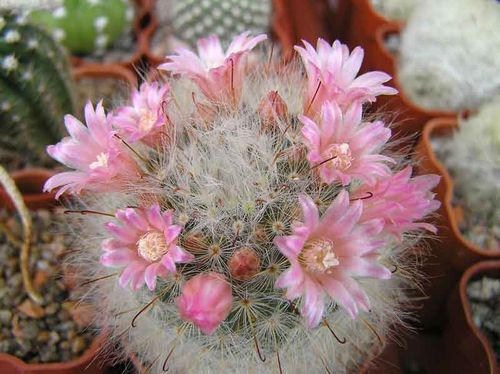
(195, 19)
(86, 26)
(35, 90)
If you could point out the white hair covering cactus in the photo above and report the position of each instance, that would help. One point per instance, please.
(449, 55)
(399, 10)
(242, 218)
(477, 143)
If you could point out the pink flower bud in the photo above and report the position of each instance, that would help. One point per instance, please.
(205, 301)
(272, 109)
(244, 264)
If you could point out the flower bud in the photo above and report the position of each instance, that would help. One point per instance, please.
(272, 109)
(205, 301)
(244, 264)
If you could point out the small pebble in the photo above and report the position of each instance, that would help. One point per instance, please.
(38, 333)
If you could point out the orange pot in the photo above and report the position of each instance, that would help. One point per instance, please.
(293, 20)
(410, 116)
(105, 71)
(363, 23)
(85, 364)
(30, 182)
(466, 348)
(451, 252)
(141, 19)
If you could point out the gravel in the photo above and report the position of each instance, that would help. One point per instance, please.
(484, 297)
(38, 333)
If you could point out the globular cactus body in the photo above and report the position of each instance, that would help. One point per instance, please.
(436, 70)
(399, 10)
(34, 87)
(473, 157)
(252, 222)
(194, 19)
(85, 26)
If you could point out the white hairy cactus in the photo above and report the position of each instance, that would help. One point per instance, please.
(209, 186)
(473, 157)
(450, 54)
(399, 10)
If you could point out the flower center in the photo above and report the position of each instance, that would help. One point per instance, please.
(101, 162)
(147, 120)
(152, 246)
(319, 256)
(339, 157)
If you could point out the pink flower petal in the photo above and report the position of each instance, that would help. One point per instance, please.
(118, 258)
(150, 275)
(310, 212)
(313, 306)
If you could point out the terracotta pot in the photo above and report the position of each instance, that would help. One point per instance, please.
(30, 182)
(462, 253)
(451, 252)
(466, 348)
(140, 22)
(293, 20)
(363, 23)
(105, 71)
(90, 361)
(86, 363)
(410, 116)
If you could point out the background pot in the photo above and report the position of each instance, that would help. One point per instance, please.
(410, 117)
(30, 183)
(90, 362)
(120, 81)
(466, 348)
(87, 363)
(362, 25)
(451, 252)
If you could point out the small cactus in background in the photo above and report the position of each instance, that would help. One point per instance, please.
(399, 10)
(477, 188)
(194, 19)
(240, 217)
(86, 26)
(35, 89)
(435, 66)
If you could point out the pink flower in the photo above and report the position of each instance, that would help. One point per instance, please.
(326, 256)
(145, 243)
(400, 201)
(343, 148)
(144, 120)
(219, 75)
(205, 301)
(336, 69)
(100, 160)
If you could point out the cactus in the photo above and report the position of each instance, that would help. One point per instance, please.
(473, 157)
(194, 19)
(399, 10)
(34, 88)
(436, 69)
(86, 26)
(256, 221)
